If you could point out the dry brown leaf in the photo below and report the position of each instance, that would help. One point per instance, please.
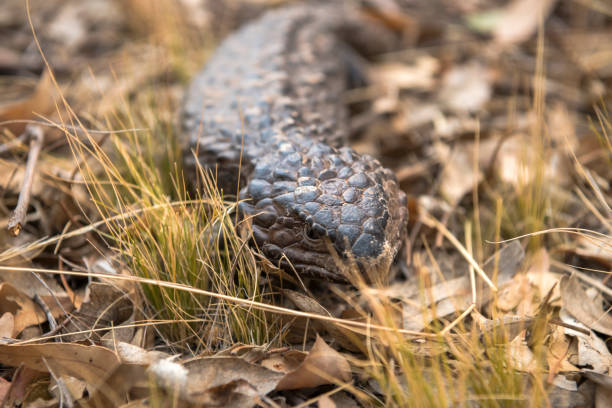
(106, 307)
(396, 75)
(518, 164)
(5, 387)
(307, 304)
(578, 304)
(514, 293)
(542, 278)
(322, 365)
(7, 325)
(520, 19)
(454, 295)
(590, 49)
(91, 364)
(589, 351)
(459, 176)
(25, 311)
(326, 402)
(42, 101)
(599, 250)
(227, 381)
(466, 88)
(558, 352)
(603, 397)
(520, 355)
(131, 354)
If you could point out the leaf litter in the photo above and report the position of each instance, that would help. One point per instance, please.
(496, 121)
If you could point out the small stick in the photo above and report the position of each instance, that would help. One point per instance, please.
(13, 144)
(17, 219)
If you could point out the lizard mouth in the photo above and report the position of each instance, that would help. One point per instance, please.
(303, 246)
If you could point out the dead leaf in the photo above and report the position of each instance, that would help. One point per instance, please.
(21, 381)
(460, 174)
(131, 354)
(590, 49)
(396, 75)
(24, 310)
(579, 305)
(7, 325)
(590, 351)
(307, 304)
(326, 402)
(603, 397)
(542, 278)
(106, 307)
(520, 355)
(91, 364)
(5, 387)
(558, 352)
(599, 249)
(466, 88)
(322, 365)
(520, 19)
(223, 381)
(42, 101)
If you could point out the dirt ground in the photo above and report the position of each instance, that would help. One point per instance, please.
(494, 116)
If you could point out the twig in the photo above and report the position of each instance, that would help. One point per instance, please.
(40, 302)
(17, 220)
(13, 144)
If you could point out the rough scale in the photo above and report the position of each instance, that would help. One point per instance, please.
(274, 89)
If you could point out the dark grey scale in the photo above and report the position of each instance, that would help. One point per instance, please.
(329, 200)
(327, 174)
(274, 88)
(282, 187)
(350, 195)
(374, 226)
(307, 181)
(335, 187)
(305, 194)
(359, 180)
(286, 174)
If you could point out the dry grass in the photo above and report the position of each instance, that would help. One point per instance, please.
(162, 231)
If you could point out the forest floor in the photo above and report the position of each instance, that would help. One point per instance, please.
(116, 288)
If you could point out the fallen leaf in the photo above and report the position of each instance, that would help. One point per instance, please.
(558, 352)
(307, 304)
(326, 402)
(600, 249)
(7, 325)
(5, 387)
(542, 278)
(223, 381)
(460, 175)
(590, 351)
(603, 397)
(42, 101)
(21, 381)
(322, 365)
(131, 354)
(24, 310)
(397, 75)
(579, 305)
(590, 49)
(520, 19)
(466, 88)
(106, 306)
(91, 364)
(520, 355)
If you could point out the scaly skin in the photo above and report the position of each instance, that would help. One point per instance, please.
(274, 89)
